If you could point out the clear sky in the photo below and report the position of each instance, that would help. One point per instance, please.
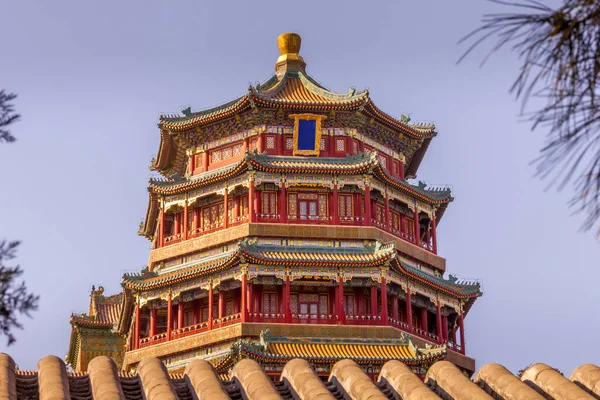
(93, 78)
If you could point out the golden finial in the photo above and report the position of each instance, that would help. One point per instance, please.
(289, 43)
(289, 46)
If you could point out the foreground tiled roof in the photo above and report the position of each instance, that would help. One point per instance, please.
(248, 380)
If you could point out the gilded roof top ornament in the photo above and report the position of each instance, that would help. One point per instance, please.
(289, 48)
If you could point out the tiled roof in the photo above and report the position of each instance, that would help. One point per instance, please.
(248, 380)
(306, 256)
(463, 289)
(297, 87)
(151, 280)
(104, 310)
(328, 350)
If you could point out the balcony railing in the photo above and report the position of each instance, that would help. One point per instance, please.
(314, 319)
(228, 320)
(267, 318)
(299, 219)
(363, 319)
(278, 318)
(309, 219)
(454, 346)
(189, 330)
(159, 338)
(268, 217)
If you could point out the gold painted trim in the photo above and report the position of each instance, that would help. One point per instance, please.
(311, 117)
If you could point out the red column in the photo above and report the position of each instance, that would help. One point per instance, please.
(409, 320)
(244, 305)
(287, 301)
(226, 209)
(335, 217)
(192, 164)
(211, 317)
(342, 313)
(361, 302)
(204, 161)
(445, 327)
(417, 228)
(279, 143)
(331, 146)
(136, 336)
(196, 311)
(357, 206)
(221, 303)
(439, 323)
(463, 342)
(434, 234)
(180, 311)
(384, 310)
(153, 313)
(283, 209)
(424, 326)
(453, 333)
(250, 298)
(387, 212)
(395, 307)
(169, 317)
(185, 220)
(177, 223)
(161, 233)
(260, 144)
(373, 300)
(367, 216)
(251, 195)
(402, 223)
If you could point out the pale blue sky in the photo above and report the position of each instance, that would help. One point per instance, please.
(93, 77)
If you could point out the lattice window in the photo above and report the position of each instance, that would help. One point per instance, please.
(292, 204)
(323, 144)
(410, 226)
(309, 297)
(289, 143)
(269, 203)
(322, 205)
(323, 304)
(229, 309)
(354, 147)
(269, 303)
(294, 303)
(237, 150)
(244, 206)
(382, 160)
(349, 304)
(226, 153)
(270, 142)
(212, 216)
(340, 144)
(230, 210)
(188, 318)
(396, 168)
(253, 144)
(395, 221)
(345, 208)
(380, 213)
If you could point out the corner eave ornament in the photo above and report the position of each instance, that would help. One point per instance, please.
(307, 134)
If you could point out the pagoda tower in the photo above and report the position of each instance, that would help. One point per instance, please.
(285, 225)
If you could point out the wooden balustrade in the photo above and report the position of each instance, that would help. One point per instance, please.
(295, 219)
(278, 318)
